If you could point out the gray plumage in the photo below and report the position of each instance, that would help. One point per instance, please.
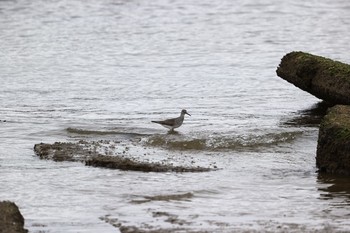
(173, 122)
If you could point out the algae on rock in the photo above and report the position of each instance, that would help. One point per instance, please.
(333, 149)
(322, 77)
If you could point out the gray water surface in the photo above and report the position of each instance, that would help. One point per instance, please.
(102, 70)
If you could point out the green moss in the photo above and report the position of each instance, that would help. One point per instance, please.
(338, 119)
(343, 134)
(329, 67)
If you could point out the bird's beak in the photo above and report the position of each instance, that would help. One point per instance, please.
(188, 114)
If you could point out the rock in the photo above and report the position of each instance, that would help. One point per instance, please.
(82, 152)
(324, 78)
(333, 149)
(121, 163)
(11, 220)
(61, 151)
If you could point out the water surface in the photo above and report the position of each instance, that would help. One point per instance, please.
(94, 70)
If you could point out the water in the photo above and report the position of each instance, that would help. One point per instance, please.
(93, 70)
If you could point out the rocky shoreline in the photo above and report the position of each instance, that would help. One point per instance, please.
(324, 78)
(328, 80)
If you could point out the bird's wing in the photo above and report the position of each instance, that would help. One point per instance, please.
(169, 122)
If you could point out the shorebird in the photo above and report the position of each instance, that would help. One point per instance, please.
(173, 122)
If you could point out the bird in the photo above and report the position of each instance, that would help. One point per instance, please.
(173, 122)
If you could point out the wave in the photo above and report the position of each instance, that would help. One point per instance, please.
(245, 142)
(251, 142)
(100, 132)
(89, 132)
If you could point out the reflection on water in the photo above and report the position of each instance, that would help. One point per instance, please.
(337, 187)
(309, 117)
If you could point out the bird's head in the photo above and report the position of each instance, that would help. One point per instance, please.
(183, 112)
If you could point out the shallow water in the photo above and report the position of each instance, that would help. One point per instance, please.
(102, 70)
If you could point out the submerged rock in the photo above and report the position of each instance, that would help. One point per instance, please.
(324, 78)
(169, 197)
(333, 149)
(83, 152)
(11, 220)
(61, 151)
(121, 163)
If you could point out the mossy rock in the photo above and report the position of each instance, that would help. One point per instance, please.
(333, 149)
(322, 77)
